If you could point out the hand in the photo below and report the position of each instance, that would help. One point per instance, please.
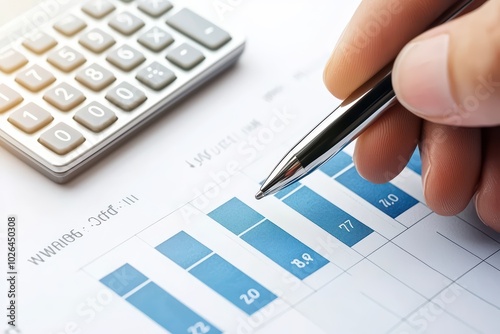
(447, 81)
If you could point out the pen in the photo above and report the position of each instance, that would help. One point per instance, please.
(342, 126)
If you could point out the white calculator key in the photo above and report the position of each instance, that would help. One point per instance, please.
(95, 117)
(126, 96)
(11, 60)
(95, 77)
(35, 78)
(39, 43)
(61, 138)
(126, 23)
(98, 8)
(9, 98)
(185, 56)
(30, 118)
(70, 25)
(96, 40)
(64, 97)
(126, 58)
(154, 8)
(66, 59)
(156, 76)
(156, 39)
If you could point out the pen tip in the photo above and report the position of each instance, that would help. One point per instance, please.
(259, 195)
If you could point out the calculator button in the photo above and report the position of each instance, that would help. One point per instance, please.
(64, 97)
(95, 117)
(96, 40)
(8, 98)
(154, 8)
(66, 59)
(156, 76)
(126, 96)
(125, 58)
(98, 8)
(199, 29)
(126, 23)
(69, 25)
(11, 60)
(35, 78)
(185, 56)
(61, 138)
(39, 43)
(30, 118)
(95, 77)
(155, 39)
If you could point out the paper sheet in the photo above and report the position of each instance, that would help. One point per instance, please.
(165, 235)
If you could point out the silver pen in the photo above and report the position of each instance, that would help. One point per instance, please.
(342, 126)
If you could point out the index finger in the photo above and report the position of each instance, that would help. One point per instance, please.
(376, 33)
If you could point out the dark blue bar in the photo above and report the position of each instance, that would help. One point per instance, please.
(387, 197)
(292, 255)
(183, 249)
(169, 312)
(415, 163)
(232, 284)
(123, 279)
(340, 161)
(327, 216)
(236, 216)
(285, 191)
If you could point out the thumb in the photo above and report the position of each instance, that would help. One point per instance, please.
(451, 74)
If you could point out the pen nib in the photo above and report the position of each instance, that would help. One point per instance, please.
(259, 195)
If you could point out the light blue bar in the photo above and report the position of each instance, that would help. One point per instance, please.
(123, 279)
(285, 191)
(291, 254)
(415, 163)
(328, 216)
(232, 284)
(387, 197)
(169, 312)
(340, 161)
(183, 249)
(236, 216)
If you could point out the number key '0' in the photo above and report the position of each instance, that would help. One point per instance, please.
(126, 96)
(61, 138)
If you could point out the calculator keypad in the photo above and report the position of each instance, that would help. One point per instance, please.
(90, 72)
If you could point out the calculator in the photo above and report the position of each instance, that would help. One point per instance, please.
(79, 77)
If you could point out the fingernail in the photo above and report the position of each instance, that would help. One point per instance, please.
(476, 205)
(421, 77)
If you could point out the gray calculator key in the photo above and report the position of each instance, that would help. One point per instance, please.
(69, 25)
(11, 60)
(98, 8)
(35, 78)
(199, 29)
(96, 40)
(39, 42)
(64, 97)
(61, 138)
(126, 23)
(156, 39)
(185, 56)
(8, 98)
(126, 96)
(126, 58)
(66, 59)
(95, 77)
(156, 76)
(30, 118)
(154, 8)
(95, 117)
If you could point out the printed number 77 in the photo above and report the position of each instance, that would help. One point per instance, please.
(347, 225)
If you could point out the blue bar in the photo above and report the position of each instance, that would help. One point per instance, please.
(123, 279)
(415, 164)
(336, 164)
(183, 249)
(292, 255)
(327, 216)
(285, 191)
(232, 284)
(169, 312)
(387, 197)
(236, 216)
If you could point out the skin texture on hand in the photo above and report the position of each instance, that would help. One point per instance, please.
(438, 76)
